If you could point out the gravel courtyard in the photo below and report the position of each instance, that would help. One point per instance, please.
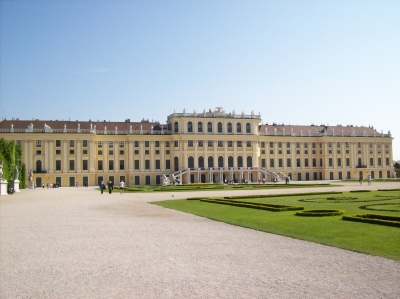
(77, 243)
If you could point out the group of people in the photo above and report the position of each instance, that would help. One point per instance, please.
(368, 180)
(110, 186)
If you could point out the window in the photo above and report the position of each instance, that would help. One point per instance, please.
(298, 162)
(305, 144)
(111, 165)
(298, 152)
(379, 145)
(230, 144)
(176, 127)
(288, 152)
(121, 164)
(371, 161)
(38, 152)
(71, 152)
(157, 152)
(209, 127)
(146, 164)
(330, 162)
(280, 152)
(100, 165)
(111, 152)
(387, 161)
(229, 128)
(121, 144)
(289, 162)
(239, 144)
(58, 152)
(136, 143)
(38, 143)
(201, 162)
(157, 144)
(248, 130)
(329, 144)
(271, 163)
(271, 152)
(200, 127)
(121, 152)
(190, 127)
(248, 143)
(280, 162)
(387, 144)
(313, 144)
(147, 180)
(347, 144)
(136, 164)
(230, 161)
(359, 144)
(71, 164)
(58, 164)
(99, 143)
(167, 152)
(58, 143)
(306, 162)
(314, 162)
(210, 143)
(136, 152)
(263, 163)
(338, 144)
(219, 127)
(210, 161)
(339, 162)
(320, 163)
(147, 152)
(249, 161)
(220, 144)
(72, 143)
(240, 161)
(239, 128)
(297, 144)
(347, 161)
(279, 144)
(84, 143)
(84, 164)
(190, 143)
(262, 144)
(167, 144)
(158, 164)
(190, 162)
(19, 142)
(306, 152)
(288, 144)
(176, 144)
(168, 164)
(147, 144)
(271, 144)
(84, 152)
(220, 161)
(200, 143)
(379, 161)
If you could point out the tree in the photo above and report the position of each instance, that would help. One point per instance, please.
(11, 154)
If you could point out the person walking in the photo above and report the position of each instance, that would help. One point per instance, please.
(121, 187)
(102, 187)
(360, 180)
(369, 180)
(110, 186)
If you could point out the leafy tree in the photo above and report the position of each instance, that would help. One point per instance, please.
(11, 155)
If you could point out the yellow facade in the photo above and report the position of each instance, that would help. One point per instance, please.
(197, 147)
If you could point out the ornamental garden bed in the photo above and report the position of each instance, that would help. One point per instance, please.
(375, 219)
(320, 213)
(253, 205)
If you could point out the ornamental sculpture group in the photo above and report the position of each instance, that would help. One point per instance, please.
(4, 183)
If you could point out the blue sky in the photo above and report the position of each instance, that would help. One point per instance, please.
(295, 62)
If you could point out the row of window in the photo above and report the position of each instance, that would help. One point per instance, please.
(314, 162)
(229, 127)
(313, 144)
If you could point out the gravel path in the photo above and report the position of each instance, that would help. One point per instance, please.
(77, 243)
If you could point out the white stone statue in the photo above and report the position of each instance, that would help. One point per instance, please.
(16, 173)
(30, 176)
(1, 171)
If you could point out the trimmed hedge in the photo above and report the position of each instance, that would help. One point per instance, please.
(253, 205)
(320, 213)
(277, 195)
(360, 190)
(388, 189)
(375, 219)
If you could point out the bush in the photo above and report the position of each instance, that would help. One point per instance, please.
(375, 219)
(319, 213)
(253, 205)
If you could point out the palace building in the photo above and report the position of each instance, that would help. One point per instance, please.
(196, 147)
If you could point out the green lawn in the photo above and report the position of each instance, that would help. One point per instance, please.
(371, 239)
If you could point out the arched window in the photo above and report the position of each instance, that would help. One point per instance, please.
(176, 164)
(219, 127)
(229, 128)
(190, 127)
(190, 162)
(201, 162)
(200, 127)
(210, 161)
(176, 127)
(249, 161)
(240, 161)
(239, 128)
(230, 161)
(248, 130)
(220, 161)
(209, 127)
(38, 166)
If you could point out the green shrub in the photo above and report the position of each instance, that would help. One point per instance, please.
(375, 219)
(319, 213)
(253, 205)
